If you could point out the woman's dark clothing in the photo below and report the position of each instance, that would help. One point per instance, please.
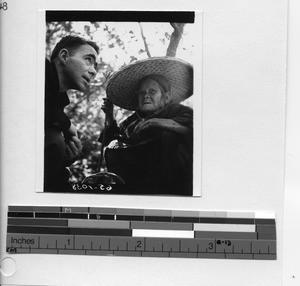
(158, 161)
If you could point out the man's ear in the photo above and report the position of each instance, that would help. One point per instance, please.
(63, 56)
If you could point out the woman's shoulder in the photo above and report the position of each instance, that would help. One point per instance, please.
(179, 108)
(128, 120)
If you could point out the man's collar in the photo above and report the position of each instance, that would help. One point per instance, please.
(52, 87)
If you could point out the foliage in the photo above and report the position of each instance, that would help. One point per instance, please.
(119, 45)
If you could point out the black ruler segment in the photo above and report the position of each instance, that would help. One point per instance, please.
(20, 214)
(130, 217)
(158, 218)
(47, 215)
(186, 219)
(102, 216)
(212, 220)
(74, 215)
(120, 16)
(138, 232)
(36, 229)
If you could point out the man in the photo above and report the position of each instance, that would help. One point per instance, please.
(72, 66)
(152, 150)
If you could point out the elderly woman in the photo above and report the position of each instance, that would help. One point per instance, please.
(152, 150)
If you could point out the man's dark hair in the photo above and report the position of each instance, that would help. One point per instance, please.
(72, 43)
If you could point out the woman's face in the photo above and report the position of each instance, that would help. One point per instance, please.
(150, 97)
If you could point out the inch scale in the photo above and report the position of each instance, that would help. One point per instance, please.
(140, 232)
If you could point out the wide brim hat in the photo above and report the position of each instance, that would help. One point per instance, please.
(122, 86)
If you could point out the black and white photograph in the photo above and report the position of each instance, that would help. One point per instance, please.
(149, 142)
(119, 90)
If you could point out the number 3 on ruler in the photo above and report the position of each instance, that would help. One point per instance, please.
(3, 6)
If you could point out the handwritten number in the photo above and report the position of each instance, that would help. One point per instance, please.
(11, 250)
(87, 187)
(3, 6)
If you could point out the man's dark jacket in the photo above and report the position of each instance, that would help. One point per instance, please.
(56, 175)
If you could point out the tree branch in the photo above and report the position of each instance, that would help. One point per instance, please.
(145, 42)
(175, 39)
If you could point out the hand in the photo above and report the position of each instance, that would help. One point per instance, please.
(108, 109)
(73, 148)
(73, 144)
(149, 123)
(164, 123)
(71, 132)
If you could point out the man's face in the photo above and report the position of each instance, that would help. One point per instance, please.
(80, 68)
(150, 97)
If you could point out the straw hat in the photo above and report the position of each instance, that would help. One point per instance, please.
(122, 86)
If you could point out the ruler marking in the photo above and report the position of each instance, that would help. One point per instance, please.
(215, 245)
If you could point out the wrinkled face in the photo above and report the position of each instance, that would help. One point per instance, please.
(150, 97)
(80, 68)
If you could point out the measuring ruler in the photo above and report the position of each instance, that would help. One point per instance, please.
(140, 232)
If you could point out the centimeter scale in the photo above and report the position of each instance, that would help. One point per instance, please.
(140, 232)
